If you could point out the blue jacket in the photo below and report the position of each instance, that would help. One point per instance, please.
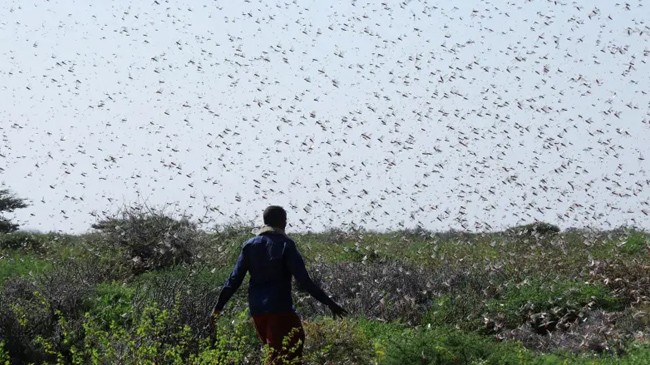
(272, 259)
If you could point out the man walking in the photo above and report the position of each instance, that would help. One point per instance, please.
(272, 259)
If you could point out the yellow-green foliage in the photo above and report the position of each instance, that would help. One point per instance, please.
(157, 338)
(331, 341)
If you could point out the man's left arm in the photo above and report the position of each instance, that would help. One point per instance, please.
(296, 265)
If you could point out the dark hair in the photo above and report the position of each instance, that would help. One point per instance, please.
(275, 216)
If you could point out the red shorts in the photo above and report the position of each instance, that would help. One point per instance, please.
(273, 328)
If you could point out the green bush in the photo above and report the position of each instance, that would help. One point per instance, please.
(5, 359)
(233, 341)
(23, 240)
(535, 229)
(462, 309)
(155, 336)
(637, 354)
(111, 304)
(154, 339)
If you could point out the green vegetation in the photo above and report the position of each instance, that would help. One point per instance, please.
(637, 243)
(524, 296)
(21, 265)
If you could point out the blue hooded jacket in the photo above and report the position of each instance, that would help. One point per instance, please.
(272, 259)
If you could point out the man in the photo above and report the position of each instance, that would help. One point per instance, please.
(272, 259)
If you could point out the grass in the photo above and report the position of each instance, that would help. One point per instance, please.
(15, 264)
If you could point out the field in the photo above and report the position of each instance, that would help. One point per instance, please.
(139, 288)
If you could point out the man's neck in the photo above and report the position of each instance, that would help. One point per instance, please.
(270, 229)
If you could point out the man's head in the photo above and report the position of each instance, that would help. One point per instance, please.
(275, 216)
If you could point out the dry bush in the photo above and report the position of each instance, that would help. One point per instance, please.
(24, 316)
(190, 292)
(221, 247)
(154, 239)
(69, 284)
(596, 332)
(627, 277)
(388, 290)
(31, 309)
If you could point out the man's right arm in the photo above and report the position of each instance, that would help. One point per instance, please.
(234, 281)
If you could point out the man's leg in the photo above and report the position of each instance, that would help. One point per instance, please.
(263, 328)
(287, 337)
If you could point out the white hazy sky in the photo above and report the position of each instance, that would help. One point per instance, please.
(445, 115)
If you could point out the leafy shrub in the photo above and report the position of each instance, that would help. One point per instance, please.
(234, 341)
(155, 339)
(5, 359)
(637, 354)
(154, 239)
(331, 341)
(380, 334)
(69, 284)
(464, 309)
(111, 304)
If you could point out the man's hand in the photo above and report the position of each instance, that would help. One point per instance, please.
(213, 318)
(337, 311)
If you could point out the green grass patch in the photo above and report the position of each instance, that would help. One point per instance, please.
(463, 310)
(111, 304)
(521, 301)
(446, 345)
(636, 243)
(16, 264)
